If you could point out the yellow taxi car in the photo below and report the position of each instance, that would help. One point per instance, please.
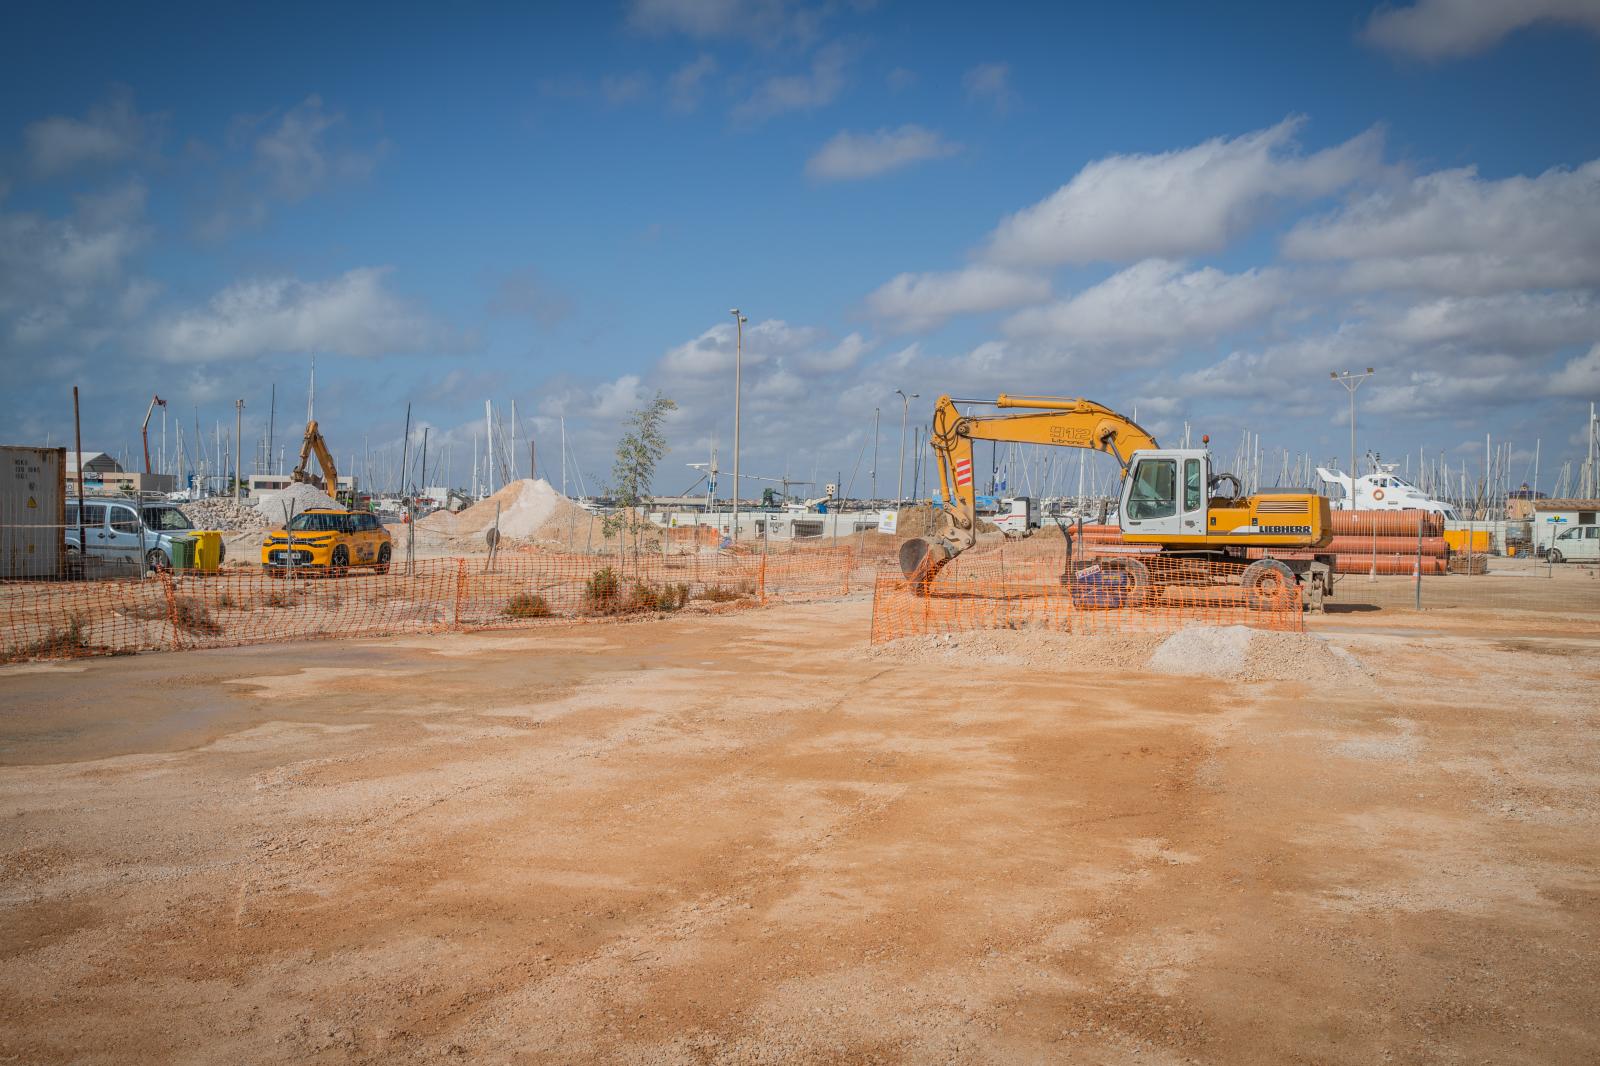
(328, 539)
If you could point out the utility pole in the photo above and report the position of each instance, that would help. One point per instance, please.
(1352, 382)
(738, 359)
(874, 454)
(905, 410)
(238, 436)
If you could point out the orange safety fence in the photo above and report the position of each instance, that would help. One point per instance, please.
(1101, 598)
(174, 610)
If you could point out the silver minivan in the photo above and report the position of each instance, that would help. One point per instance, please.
(1578, 544)
(126, 532)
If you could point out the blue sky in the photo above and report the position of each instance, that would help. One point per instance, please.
(1193, 212)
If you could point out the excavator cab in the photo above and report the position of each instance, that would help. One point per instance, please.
(1166, 492)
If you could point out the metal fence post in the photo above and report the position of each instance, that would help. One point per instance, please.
(1419, 564)
(461, 589)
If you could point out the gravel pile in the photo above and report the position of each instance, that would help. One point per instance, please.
(274, 506)
(221, 512)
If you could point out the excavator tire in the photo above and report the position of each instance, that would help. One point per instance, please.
(920, 561)
(1138, 578)
(1269, 585)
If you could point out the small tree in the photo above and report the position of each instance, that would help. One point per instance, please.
(634, 470)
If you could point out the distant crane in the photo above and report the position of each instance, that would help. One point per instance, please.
(144, 429)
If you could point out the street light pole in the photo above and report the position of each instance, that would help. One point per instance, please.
(1352, 382)
(905, 408)
(874, 455)
(738, 358)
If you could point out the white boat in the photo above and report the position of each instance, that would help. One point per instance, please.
(1383, 491)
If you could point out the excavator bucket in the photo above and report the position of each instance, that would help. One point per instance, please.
(921, 560)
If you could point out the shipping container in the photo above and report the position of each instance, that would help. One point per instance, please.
(32, 512)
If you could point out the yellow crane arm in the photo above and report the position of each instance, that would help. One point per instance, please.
(314, 443)
(1051, 420)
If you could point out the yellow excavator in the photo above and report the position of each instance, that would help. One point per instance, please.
(314, 444)
(1171, 500)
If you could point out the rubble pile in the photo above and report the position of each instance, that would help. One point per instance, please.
(221, 512)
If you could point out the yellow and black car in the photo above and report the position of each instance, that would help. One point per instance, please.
(329, 540)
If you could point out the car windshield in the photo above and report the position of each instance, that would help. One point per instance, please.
(166, 518)
(314, 522)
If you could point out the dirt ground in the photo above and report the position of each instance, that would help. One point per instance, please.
(752, 839)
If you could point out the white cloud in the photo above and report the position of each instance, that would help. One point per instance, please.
(918, 301)
(352, 314)
(1514, 322)
(51, 262)
(686, 86)
(764, 22)
(1447, 29)
(620, 89)
(713, 351)
(798, 92)
(297, 158)
(1452, 231)
(616, 399)
(991, 84)
(1177, 203)
(1578, 377)
(900, 79)
(842, 356)
(1154, 303)
(864, 155)
(111, 132)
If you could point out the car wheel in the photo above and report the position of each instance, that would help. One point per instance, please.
(1555, 556)
(156, 559)
(340, 563)
(383, 560)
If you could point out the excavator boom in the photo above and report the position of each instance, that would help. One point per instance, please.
(314, 444)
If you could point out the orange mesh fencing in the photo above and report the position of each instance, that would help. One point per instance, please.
(174, 610)
(1173, 593)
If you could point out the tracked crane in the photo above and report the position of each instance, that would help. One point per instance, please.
(1172, 502)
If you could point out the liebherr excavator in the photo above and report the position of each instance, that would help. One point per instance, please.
(1170, 500)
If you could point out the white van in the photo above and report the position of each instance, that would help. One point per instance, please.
(1577, 544)
(126, 532)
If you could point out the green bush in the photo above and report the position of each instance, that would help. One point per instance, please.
(603, 591)
(526, 605)
(720, 594)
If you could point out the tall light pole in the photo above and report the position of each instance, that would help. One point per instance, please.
(738, 358)
(1352, 382)
(874, 455)
(905, 408)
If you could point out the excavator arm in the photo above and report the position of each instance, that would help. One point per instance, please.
(314, 443)
(1071, 423)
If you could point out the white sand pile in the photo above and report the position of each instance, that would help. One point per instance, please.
(525, 507)
(1204, 651)
(297, 497)
(1235, 653)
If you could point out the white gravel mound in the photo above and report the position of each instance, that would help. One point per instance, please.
(297, 497)
(1204, 651)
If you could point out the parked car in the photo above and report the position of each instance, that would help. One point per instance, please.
(126, 531)
(1579, 544)
(329, 539)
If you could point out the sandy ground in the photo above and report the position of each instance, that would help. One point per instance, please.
(751, 839)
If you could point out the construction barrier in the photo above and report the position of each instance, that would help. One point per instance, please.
(175, 610)
(1096, 601)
